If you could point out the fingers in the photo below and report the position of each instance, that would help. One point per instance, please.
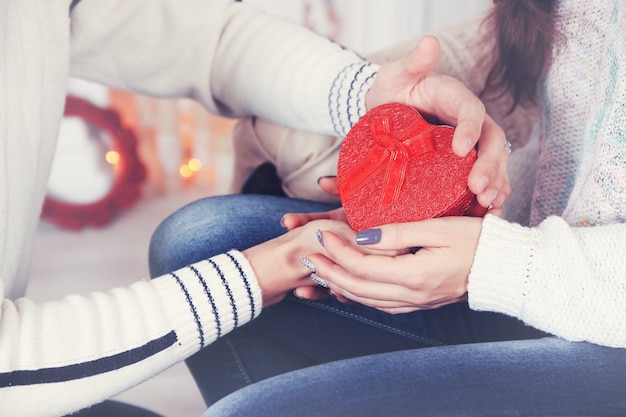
(489, 177)
(342, 257)
(411, 80)
(353, 285)
(452, 103)
(380, 288)
(328, 185)
(496, 212)
(318, 293)
(292, 220)
(440, 232)
(433, 276)
(505, 189)
(311, 293)
(398, 80)
(471, 116)
(461, 108)
(423, 58)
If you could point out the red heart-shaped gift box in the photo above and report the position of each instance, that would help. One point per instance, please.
(396, 167)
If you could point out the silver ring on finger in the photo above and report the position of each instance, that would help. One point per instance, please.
(318, 280)
(507, 147)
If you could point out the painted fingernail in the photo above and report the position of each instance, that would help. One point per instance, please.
(308, 264)
(282, 222)
(318, 280)
(369, 236)
(320, 237)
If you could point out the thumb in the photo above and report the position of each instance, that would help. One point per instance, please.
(398, 76)
(423, 58)
(328, 184)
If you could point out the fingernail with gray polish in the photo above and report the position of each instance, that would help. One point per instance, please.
(369, 236)
(320, 237)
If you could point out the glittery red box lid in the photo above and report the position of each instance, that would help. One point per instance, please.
(396, 167)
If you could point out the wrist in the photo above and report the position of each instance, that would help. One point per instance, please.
(279, 254)
(347, 100)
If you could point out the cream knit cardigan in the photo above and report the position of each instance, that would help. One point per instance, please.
(60, 356)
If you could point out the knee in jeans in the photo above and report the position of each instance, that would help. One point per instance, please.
(176, 237)
(197, 231)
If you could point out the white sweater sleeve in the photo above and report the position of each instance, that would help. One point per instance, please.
(236, 60)
(58, 357)
(569, 281)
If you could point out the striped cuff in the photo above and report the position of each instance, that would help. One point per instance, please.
(211, 298)
(346, 101)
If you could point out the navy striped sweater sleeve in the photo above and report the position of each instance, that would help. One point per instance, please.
(82, 349)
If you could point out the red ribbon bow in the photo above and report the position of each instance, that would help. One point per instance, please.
(392, 153)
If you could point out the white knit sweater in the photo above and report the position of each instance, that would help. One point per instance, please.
(60, 356)
(566, 274)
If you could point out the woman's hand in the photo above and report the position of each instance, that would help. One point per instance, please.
(411, 81)
(277, 265)
(435, 275)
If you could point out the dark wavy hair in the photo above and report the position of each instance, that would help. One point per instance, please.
(525, 35)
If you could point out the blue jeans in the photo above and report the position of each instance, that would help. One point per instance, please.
(326, 358)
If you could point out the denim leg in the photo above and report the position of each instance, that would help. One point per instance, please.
(214, 225)
(298, 333)
(209, 227)
(542, 377)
